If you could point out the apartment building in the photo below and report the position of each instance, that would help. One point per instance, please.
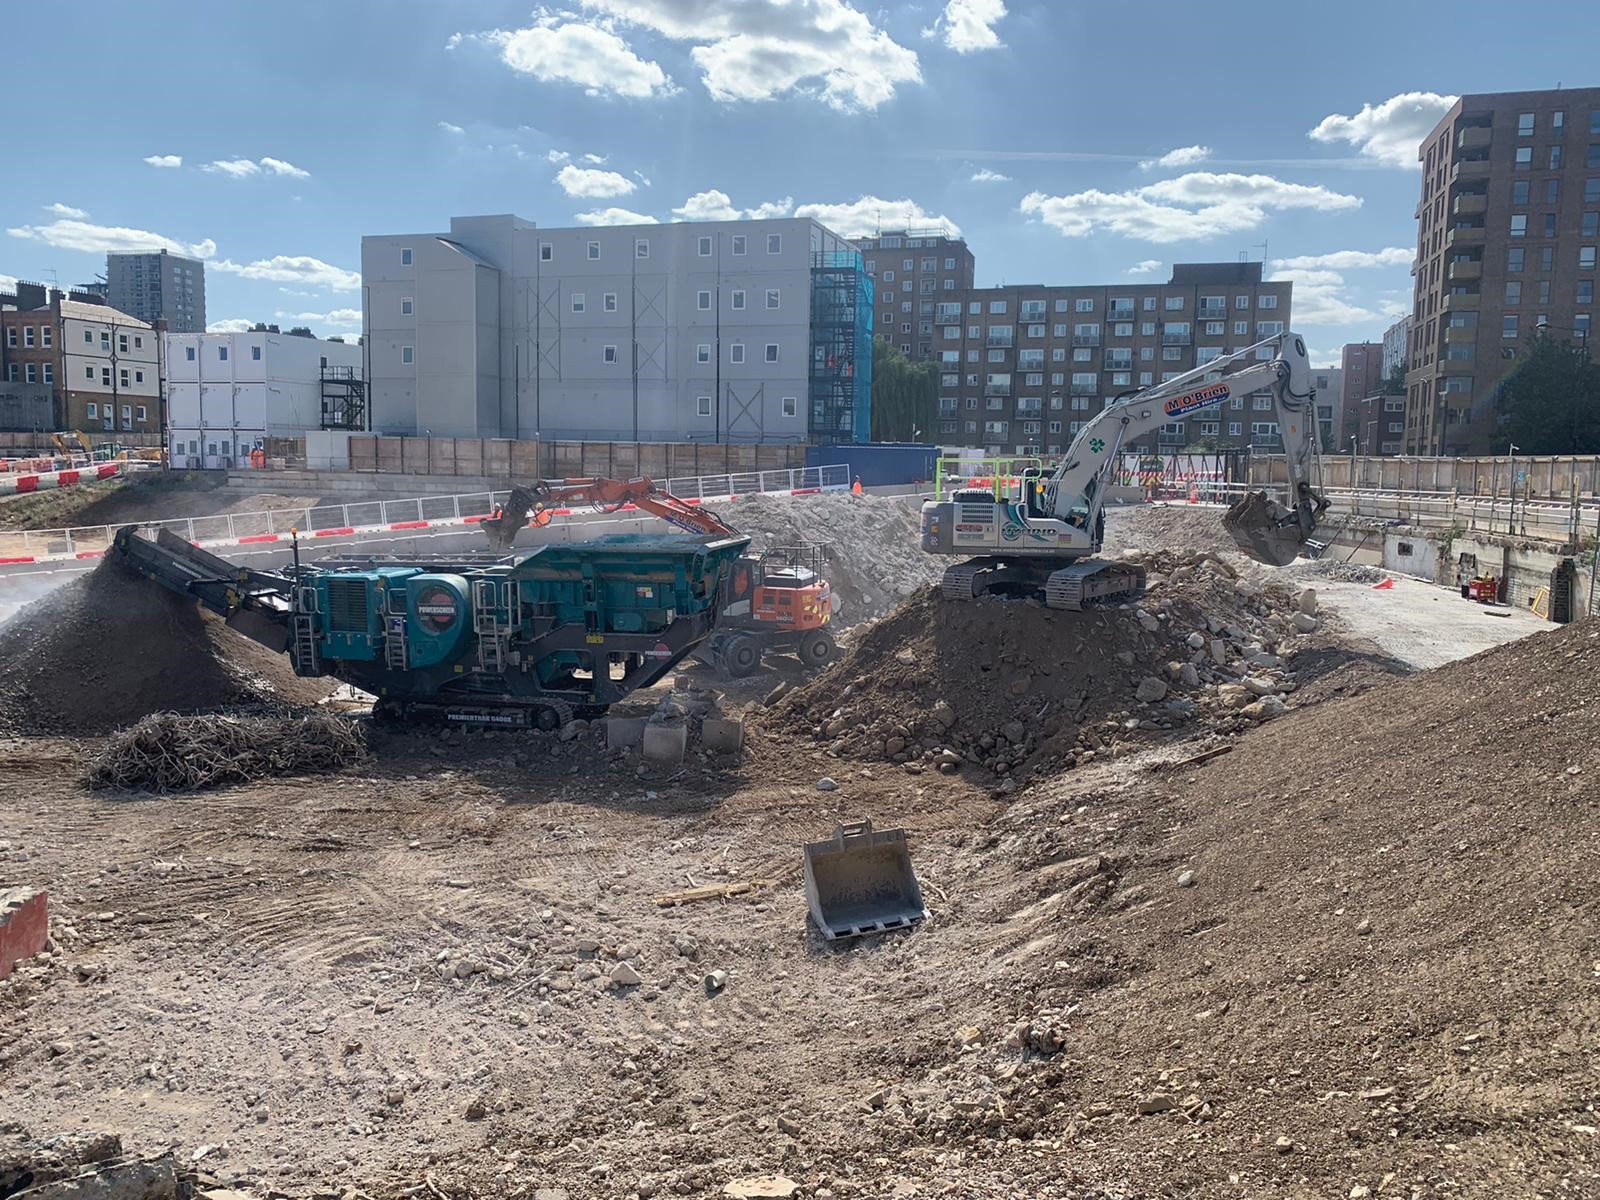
(745, 331)
(229, 392)
(1508, 224)
(158, 286)
(912, 271)
(102, 366)
(1024, 367)
(1396, 341)
(1329, 385)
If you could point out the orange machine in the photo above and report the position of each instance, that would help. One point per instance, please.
(774, 601)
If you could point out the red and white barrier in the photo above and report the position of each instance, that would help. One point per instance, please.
(16, 485)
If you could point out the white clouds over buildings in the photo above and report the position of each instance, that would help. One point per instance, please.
(1389, 132)
(592, 184)
(967, 26)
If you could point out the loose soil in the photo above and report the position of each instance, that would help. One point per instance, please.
(150, 496)
(110, 647)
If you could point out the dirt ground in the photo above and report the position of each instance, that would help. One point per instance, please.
(1352, 954)
(137, 498)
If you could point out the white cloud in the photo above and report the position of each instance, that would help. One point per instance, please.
(230, 325)
(1345, 260)
(985, 175)
(337, 316)
(244, 168)
(968, 25)
(1320, 299)
(1322, 360)
(714, 205)
(8, 283)
(450, 128)
(1183, 156)
(559, 50)
(1201, 204)
(614, 216)
(292, 268)
(1389, 132)
(65, 210)
(165, 160)
(863, 217)
(595, 158)
(556, 156)
(278, 167)
(235, 168)
(68, 234)
(760, 49)
(592, 184)
(1148, 266)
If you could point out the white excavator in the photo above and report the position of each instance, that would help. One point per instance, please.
(1041, 542)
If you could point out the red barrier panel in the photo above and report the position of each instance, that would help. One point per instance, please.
(258, 537)
(27, 483)
(345, 532)
(409, 525)
(90, 554)
(804, 491)
(24, 558)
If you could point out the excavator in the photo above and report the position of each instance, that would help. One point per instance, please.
(1042, 544)
(773, 601)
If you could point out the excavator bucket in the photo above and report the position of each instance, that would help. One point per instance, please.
(860, 881)
(1264, 529)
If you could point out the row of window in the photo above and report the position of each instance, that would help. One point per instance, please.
(1583, 293)
(46, 373)
(222, 354)
(788, 405)
(1035, 309)
(46, 334)
(609, 356)
(1033, 405)
(909, 264)
(641, 248)
(1511, 325)
(1262, 430)
(129, 412)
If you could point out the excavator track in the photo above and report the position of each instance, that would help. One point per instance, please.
(960, 581)
(981, 577)
(1091, 582)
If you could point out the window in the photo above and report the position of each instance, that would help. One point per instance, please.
(140, 412)
(1267, 302)
(1514, 257)
(737, 243)
(1557, 119)
(188, 353)
(222, 354)
(547, 252)
(1585, 258)
(122, 343)
(772, 297)
(774, 243)
(27, 337)
(1593, 160)
(1585, 292)
(1547, 256)
(1544, 292)
(594, 251)
(1549, 224)
(608, 354)
(1591, 224)
(702, 352)
(127, 412)
(408, 356)
(88, 373)
(641, 248)
(1147, 328)
(1555, 158)
(703, 301)
(702, 406)
(255, 353)
(1513, 291)
(92, 409)
(405, 256)
(997, 307)
(791, 406)
(1524, 124)
(772, 352)
(738, 298)
(138, 376)
(1241, 329)
(1234, 428)
(1519, 191)
(1508, 327)
(405, 306)
(1519, 225)
(1524, 159)
(705, 248)
(736, 352)
(608, 302)
(1174, 303)
(31, 372)
(49, 373)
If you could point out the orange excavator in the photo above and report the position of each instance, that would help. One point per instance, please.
(774, 601)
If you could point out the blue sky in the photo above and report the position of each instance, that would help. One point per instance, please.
(1069, 142)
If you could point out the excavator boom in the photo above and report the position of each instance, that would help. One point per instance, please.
(604, 495)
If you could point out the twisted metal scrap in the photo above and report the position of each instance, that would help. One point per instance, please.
(166, 752)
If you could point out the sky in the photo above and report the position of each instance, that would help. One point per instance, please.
(1070, 143)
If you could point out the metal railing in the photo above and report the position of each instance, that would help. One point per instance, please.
(311, 520)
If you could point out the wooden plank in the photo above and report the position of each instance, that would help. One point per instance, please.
(715, 891)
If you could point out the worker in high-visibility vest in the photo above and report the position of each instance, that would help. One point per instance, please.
(855, 488)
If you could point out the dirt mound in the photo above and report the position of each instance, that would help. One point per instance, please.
(110, 647)
(875, 557)
(1171, 527)
(1341, 572)
(1319, 957)
(1017, 687)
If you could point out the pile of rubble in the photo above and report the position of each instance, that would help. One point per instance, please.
(167, 752)
(1017, 688)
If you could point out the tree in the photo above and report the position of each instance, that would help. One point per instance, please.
(905, 395)
(1550, 403)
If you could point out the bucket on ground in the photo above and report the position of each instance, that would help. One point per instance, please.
(860, 881)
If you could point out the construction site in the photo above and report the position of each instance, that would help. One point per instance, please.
(1007, 838)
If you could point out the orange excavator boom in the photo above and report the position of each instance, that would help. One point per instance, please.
(604, 495)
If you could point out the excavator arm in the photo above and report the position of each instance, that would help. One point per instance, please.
(1263, 528)
(604, 495)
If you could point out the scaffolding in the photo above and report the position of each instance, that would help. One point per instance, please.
(344, 399)
(841, 349)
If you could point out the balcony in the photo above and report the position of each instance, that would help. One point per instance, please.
(1083, 389)
(1119, 364)
(1461, 272)
(1171, 439)
(1465, 235)
(1119, 314)
(1030, 411)
(1176, 339)
(999, 341)
(1470, 204)
(1469, 170)
(1473, 138)
(997, 389)
(1086, 339)
(1271, 441)
(1460, 302)
(1458, 334)
(1211, 314)
(1028, 315)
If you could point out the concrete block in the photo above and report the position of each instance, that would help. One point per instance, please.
(624, 732)
(722, 736)
(24, 925)
(664, 743)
